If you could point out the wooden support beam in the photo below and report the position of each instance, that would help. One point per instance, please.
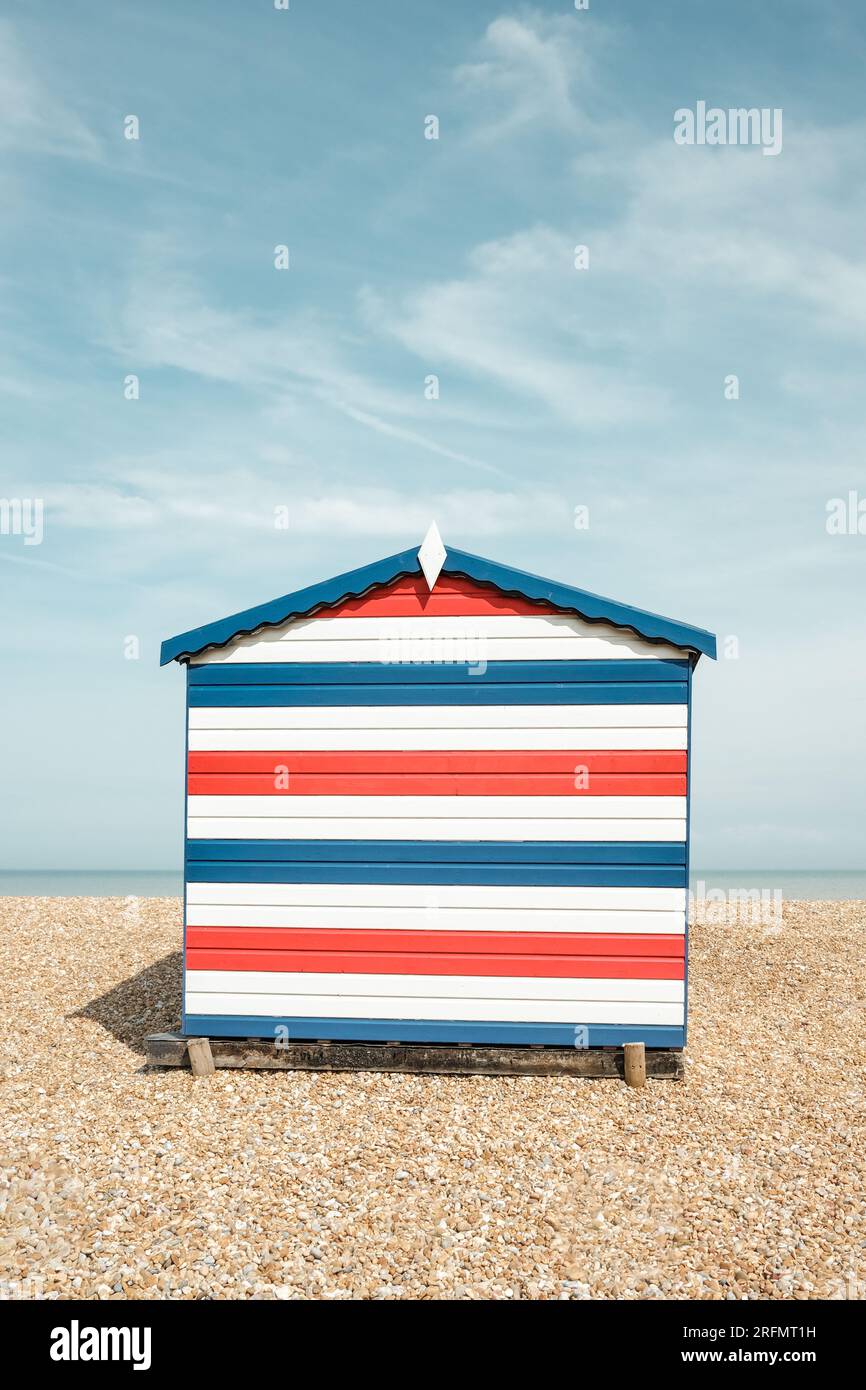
(173, 1050)
(200, 1056)
(635, 1063)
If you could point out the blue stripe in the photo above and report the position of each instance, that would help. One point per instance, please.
(519, 875)
(596, 864)
(432, 672)
(471, 691)
(356, 582)
(448, 1031)
(590, 852)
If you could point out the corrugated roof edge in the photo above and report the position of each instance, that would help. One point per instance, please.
(302, 603)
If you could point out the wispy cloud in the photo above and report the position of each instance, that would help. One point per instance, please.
(692, 235)
(155, 499)
(711, 219)
(33, 118)
(169, 323)
(524, 76)
(519, 317)
(412, 437)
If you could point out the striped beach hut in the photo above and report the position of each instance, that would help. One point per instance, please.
(437, 799)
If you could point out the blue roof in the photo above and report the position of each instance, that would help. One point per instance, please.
(356, 582)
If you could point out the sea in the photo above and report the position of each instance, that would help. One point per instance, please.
(811, 885)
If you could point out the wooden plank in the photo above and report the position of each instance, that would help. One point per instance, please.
(634, 1064)
(462, 693)
(200, 1056)
(348, 827)
(277, 868)
(406, 1008)
(541, 762)
(559, 626)
(436, 916)
(281, 781)
(170, 1050)
(517, 991)
(469, 895)
(444, 807)
(463, 649)
(514, 720)
(335, 958)
(595, 854)
(431, 672)
(311, 736)
(259, 869)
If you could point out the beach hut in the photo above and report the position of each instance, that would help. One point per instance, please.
(438, 800)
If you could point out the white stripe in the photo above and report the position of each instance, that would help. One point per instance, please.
(443, 808)
(454, 987)
(460, 652)
(409, 740)
(433, 918)
(472, 717)
(473, 1010)
(444, 895)
(320, 828)
(496, 638)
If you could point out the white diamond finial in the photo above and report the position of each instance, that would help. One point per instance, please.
(432, 554)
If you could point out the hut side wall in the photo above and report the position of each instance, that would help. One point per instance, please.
(447, 817)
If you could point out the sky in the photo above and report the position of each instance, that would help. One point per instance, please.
(605, 386)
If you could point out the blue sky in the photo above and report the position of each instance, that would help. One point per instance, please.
(305, 388)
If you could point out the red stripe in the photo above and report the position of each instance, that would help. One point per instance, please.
(347, 939)
(501, 784)
(414, 963)
(409, 597)
(535, 762)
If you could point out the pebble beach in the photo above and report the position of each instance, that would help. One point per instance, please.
(746, 1180)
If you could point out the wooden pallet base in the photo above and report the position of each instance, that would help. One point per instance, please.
(171, 1050)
